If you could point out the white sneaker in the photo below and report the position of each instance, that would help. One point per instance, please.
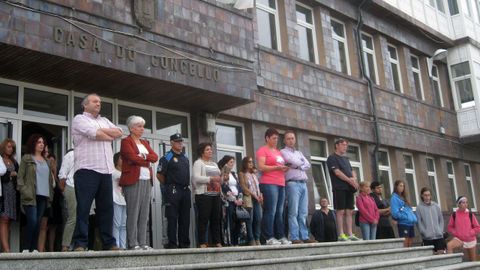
(136, 248)
(285, 241)
(147, 248)
(273, 242)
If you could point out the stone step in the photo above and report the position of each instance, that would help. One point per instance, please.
(448, 260)
(286, 262)
(464, 265)
(194, 256)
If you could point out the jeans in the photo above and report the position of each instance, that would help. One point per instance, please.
(255, 222)
(34, 214)
(273, 205)
(90, 185)
(297, 198)
(369, 231)
(120, 225)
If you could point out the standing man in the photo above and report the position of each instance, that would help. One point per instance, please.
(344, 185)
(174, 173)
(430, 222)
(92, 137)
(384, 228)
(297, 193)
(67, 186)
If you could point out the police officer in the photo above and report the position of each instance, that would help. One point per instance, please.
(174, 173)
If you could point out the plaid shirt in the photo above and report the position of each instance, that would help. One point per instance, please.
(90, 153)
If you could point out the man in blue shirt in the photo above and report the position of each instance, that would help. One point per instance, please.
(174, 173)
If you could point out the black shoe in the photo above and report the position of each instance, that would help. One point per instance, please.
(169, 246)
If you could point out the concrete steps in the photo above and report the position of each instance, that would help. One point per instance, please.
(379, 254)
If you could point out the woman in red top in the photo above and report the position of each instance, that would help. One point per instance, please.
(272, 185)
(136, 182)
(464, 227)
(368, 210)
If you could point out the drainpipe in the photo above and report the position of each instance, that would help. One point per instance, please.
(375, 174)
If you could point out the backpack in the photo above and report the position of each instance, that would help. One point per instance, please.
(470, 215)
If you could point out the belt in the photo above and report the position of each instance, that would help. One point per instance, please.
(298, 181)
(179, 186)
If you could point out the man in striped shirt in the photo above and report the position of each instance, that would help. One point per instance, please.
(92, 137)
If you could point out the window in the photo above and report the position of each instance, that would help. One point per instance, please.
(410, 178)
(467, 8)
(354, 156)
(230, 141)
(432, 179)
(306, 34)
(437, 90)
(438, 4)
(368, 54)
(385, 173)
(267, 23)
(52, 105)
(340, 47)
(463, 84)
(321, 178)
(8, 98)
(452, 185)
(125, 111)
(453, 7)
(478, 10)
(168, 124)
(417, 77)
(471, 192)
(394, 64)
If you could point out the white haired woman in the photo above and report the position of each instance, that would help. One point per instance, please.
(136, 181)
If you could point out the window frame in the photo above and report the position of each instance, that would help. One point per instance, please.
(343, 40)
(412, 172)
(436, 79)
(228, 147)
(418, 71)
(462, 78)
(387, 169)
(310, 27)
(435, 177)
(322, 161)
(452, 177)
(371, 52)
(395, 62)
(469, 180)
(357, 164)
(270, 10)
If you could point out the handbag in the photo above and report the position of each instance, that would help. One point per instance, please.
(247, 201)
(242, 213)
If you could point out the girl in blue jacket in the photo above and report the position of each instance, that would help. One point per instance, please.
(403, 213)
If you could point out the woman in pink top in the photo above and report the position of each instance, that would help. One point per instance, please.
(464, 227)
(272, 184)
(368, 210)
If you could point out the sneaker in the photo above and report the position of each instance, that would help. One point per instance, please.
(273, 242)
(136, 248)
(285, 241)
(343, 237)
(353, 238)
(147, 247)
(79, 248)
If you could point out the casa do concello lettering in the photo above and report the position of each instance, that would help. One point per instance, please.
(186, 67)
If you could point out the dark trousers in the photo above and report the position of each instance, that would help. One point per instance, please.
(177, 210)
(209, 212)
(385, 232)
(232, 224)
(34, 214)
(91, 185)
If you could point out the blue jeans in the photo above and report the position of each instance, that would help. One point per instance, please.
(34, 215)
(273, 205)
(369, 231)
(120, 225)
(90, 185)
(255, 222)
(297, 198)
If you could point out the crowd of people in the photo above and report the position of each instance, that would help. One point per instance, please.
(264, 204)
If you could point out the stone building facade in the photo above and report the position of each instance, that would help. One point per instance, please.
(186, 65)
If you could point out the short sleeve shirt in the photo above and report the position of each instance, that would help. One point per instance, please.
(334, 162)
(272, 158)
(176, 169)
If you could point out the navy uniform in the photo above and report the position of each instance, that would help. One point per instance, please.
(175, 169)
